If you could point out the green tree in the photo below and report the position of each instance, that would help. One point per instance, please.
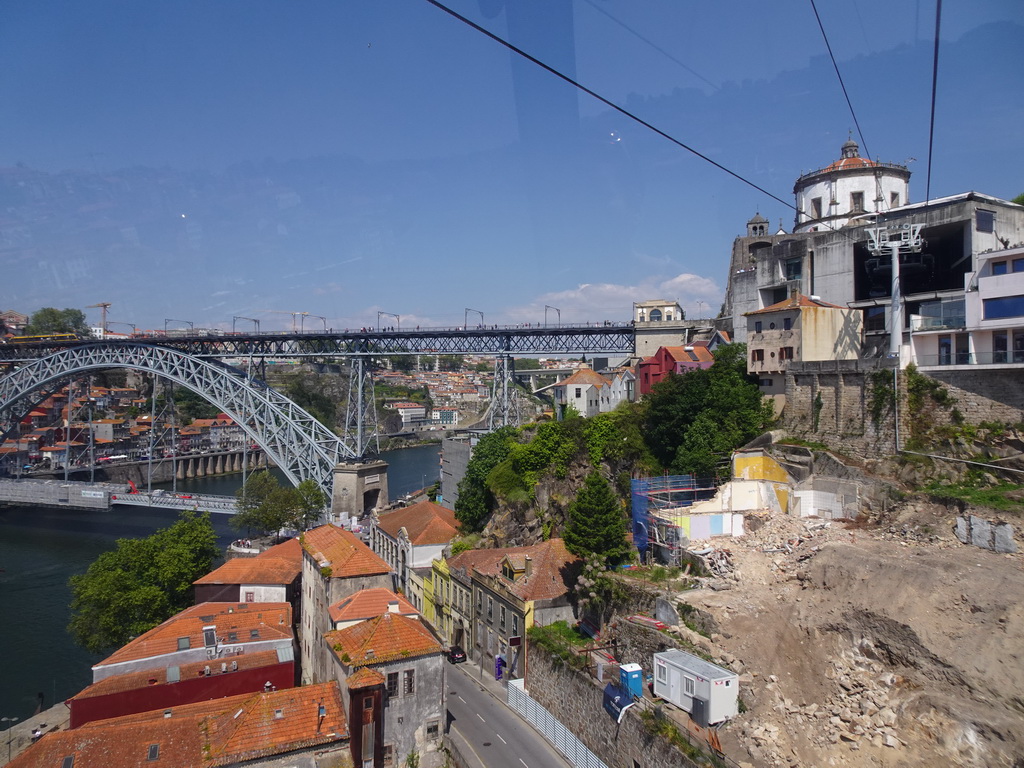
(449, 362)
(310, 502)
(264, 505)
(49, 320)
(597, 525)
(140, 583)
(475, 501)
(192, 406)
(695, 420)
(527, 364)
(1019, 199)
(309, 397)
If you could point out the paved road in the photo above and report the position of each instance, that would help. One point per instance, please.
(496, 735)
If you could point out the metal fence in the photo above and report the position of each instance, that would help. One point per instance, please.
(562, 738)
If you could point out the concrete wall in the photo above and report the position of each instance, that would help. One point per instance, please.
(575, 701)
(455, 453)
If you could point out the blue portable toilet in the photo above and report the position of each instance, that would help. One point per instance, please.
(631, 678)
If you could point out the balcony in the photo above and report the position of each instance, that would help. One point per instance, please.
(1011, 357)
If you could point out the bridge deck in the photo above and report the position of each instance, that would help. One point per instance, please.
(56, 493)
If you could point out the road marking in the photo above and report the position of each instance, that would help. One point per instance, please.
(481, 719)
(502, 740)
(523, 762)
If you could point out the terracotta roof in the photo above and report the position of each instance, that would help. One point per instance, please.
(342, 552)
(794, 302)
(697, 352)
(582, 377)
(425, 522)
(147, 678)
(206, 734)
(364, 677)
(273, 621)
(254, 570)
(552, 569)
(367, 603)
(384, 638)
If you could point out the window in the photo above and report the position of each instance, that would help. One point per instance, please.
(479, 603)
(786, 353)
(894, 199)
(183, 644)
(1018, 265)
(503, 618)
(688, 685)
(209, 636)
(250, 597)
(815, 207)
(985, 221)
(389, 754)
(490, 608)
(998, 267)
(662, 673)
(765, 382)
(758, 325)
(757, 355)
(254, 634)
(68, 762)
(368, 702)
(579, 392)
(154, 752)
(1007, 306)
(794, 268)
(409, 682)
(392, 685)
(856, 201)
(787, 323)
(515, 625)
(433, 730)
(232, 637)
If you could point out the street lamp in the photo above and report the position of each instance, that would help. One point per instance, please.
(398, 319)
(465, 320)
(321, 318)
(700, 311)
(546, 308)
(253, 320)
(189, 323)
(10, 735)
(135, 329)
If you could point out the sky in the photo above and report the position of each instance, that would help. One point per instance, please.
(217, 163)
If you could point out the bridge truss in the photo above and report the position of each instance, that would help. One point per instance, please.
(300, 446)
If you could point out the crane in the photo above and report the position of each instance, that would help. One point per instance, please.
(103, 305)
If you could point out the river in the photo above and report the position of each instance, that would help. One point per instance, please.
(42, 547)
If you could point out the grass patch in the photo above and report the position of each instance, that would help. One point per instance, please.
(1006, 497)
(562, 642)
(658, 725)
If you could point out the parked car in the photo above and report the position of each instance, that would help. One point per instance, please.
(456, 655)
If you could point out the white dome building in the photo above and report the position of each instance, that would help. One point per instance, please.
(852, 186)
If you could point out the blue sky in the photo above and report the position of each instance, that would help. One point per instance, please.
(214, 159)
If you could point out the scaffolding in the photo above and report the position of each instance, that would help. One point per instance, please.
(654, 502)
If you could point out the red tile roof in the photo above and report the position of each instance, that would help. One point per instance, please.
(367, 603)
(385, 638)
(364, 677)
(147, 678)
(273, 621)
(794, 302)
(553, 569)
(202, 735)
(262, 569)
(425, 523)
(342, 552)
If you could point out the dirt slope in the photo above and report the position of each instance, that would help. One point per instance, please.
(893, 647)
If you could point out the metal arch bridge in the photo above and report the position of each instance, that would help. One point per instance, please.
(300, 446)
(293, 438)
(589, 338)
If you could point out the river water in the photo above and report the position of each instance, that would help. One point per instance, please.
(41, 548)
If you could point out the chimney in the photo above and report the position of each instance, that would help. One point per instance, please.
(794, 295)
(392, 606)
(529, 566)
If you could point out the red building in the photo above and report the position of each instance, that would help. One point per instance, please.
(673, 360)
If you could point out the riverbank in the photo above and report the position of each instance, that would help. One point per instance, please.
(20, 736)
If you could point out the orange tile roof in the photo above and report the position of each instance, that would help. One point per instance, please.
(367, 603)
(342, 552)
(794, 302)
(273, 621)
(364, 677)
(147, 678)
(254, 570)
(553, 573)
(384, 638)
(424, 522)
(202, 735)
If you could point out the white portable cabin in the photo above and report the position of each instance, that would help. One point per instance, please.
(705, 690)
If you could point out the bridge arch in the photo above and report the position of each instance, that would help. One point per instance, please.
(299, 444)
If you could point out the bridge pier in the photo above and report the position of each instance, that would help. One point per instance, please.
(218, 466)
(359, 487)
(190, 469)
(201, 466)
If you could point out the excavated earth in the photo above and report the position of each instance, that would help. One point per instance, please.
(896, 646)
